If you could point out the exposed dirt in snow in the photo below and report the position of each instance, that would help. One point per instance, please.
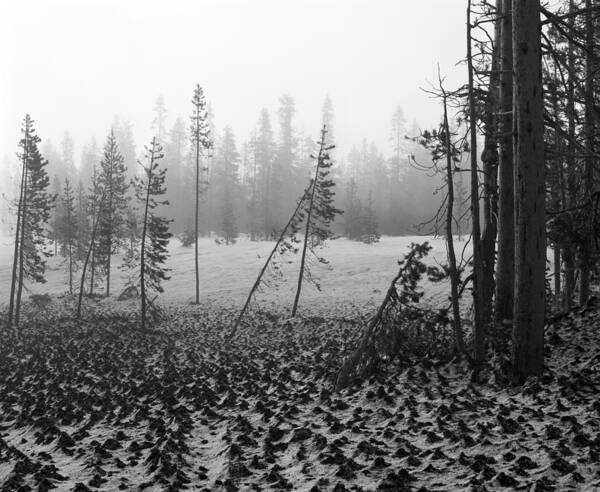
(104, 407)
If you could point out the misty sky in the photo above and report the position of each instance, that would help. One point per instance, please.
(74, 65)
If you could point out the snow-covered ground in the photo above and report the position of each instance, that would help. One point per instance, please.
(358, 274)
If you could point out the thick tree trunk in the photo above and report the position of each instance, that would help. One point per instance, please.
(530, 234)
(479, 326)
(506, 238)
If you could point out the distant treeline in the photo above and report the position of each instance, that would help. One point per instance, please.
(252, 187)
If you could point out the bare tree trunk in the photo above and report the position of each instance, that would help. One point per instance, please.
(93, 267)
(196, 213)
(557, 280)
(506, 235)
(108, 258)
(18, 244)
(490, 171)
(143, 245)
(22, 250)
(454, 279)
(109, 238)
(70, 251)
(83, 272)
(584, 285)
(479, 327)
(530, 244)
(87, 259)
(558, 193)
(308, 219)
(570, 182)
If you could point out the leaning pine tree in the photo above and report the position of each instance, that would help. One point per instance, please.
(155, 229)
(320, 213)
(33, 212)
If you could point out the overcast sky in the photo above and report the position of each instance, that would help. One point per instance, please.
(74, 64)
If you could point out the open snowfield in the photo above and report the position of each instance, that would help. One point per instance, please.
(358, 274)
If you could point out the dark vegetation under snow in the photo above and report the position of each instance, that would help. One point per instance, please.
(102, 406)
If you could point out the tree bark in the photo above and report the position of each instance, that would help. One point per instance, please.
(454, 280)
(586, 254)
(478, 328)
(143, 245)
(22, 242)
(490, 171)
(506, 236)
(530, 233)
(568, 254)
(196, 213)
(13, 283)
(90, 253)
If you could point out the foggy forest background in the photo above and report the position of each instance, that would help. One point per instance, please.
(251, 183)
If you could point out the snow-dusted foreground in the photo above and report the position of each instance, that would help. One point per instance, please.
(99, 406)
(358, 274)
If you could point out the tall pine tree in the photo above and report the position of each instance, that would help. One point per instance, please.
(33, 212)
(155, 228)
(112, 181)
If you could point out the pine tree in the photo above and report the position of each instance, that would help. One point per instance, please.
(261, 198)
(201, 142)
(95, 204)
(369, 227)
(160, 119)
(155, 229)
(319, 213)
(56, 169)
(352, 212)
(282, 188)
(126, 144)
(175, 152)
(327, 119)
(83, 223)
(69, 229)
(226, 185)
(530, 237)
(54, 230)
(33, 213)
(397, 140)
(67, 157)
(90, 157)
(112, 181)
